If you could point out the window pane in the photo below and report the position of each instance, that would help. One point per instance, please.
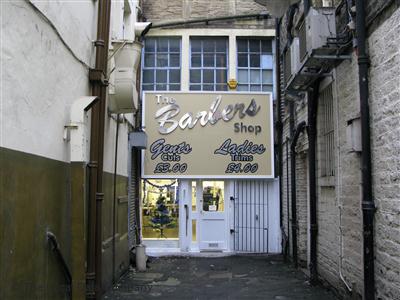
(148, 76)
(220, 45)
(148, 87)
(242, 45)
(208, 87)
(254, 45)
(255, 60)
(220, 76)
(242, 60)
(266, 61)
(196, 60)
(267, 88)
(213, 196)
(255, 87)
(220, 60)
(220, 87)
(174, 60)
(255, 76)
(208, 76)
(266, 46)
(162, 45)
(267, 77)
(242, 76)
(242, 87)
(161, 76)
(175, 76)
(196, 45)
(195, 76)
(162, 60)
(174, 87)
(208, 45)
(174, 45)
(150, 45)
(208, 60)
(149, 60)
(161, 87)
(195, 87)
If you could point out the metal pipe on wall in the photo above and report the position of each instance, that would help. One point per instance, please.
(97, 77)
(367, 204)
(300, 127)
(312, 105)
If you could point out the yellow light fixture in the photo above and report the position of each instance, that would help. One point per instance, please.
(232, 83)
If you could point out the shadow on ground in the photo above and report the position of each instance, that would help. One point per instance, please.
(233, 277)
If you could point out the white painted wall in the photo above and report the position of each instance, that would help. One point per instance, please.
(46, 51)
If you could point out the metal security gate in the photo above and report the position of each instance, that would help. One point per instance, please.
(256, 216)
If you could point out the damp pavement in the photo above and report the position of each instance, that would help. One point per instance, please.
(231, 277)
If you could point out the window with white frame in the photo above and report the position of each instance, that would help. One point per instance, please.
(327, 142)
(254, 64)
(208, 63)
(161, 64)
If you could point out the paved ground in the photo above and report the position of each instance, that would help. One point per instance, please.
(233, 277)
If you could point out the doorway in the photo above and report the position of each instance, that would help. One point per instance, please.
(209, 215)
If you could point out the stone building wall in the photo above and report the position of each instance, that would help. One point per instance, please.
(339, 239)
(384, 51)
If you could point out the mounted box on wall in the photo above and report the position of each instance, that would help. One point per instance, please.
(353, 132)
(138, 139)
(124, 62)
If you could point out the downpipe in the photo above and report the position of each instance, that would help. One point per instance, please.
(367, 204)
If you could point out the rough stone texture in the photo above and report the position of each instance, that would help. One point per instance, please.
(159, 11)
(339, 199)
(384, 50)
(234, 277)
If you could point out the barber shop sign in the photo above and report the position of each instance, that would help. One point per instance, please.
(208, 135)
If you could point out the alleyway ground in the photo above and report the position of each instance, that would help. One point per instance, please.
(232, 277)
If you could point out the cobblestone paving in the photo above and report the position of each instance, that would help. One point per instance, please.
(232, 277)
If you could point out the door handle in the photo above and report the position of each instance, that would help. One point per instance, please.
(187, 218)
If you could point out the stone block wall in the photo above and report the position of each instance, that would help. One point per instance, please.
(384, 51)
(340, 245)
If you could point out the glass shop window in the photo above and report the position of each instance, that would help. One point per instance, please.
(160, 209)
(208, 63)
(254, 65)
(161, 66)
(213, 196)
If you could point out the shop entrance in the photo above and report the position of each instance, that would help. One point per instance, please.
(209, 215)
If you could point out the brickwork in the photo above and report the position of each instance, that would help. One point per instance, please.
(339, 198)
(168, 10)
(384, 51)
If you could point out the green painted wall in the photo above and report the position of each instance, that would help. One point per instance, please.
(121, 227)
(34, 198)
(39, 194)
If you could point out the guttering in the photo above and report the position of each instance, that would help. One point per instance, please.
(278, 123)
(312, 105)
(98, 79)
(300, 127)
(367, 204)
(264, 15)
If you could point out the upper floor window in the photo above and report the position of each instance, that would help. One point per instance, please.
(255, 65)
(327, 142)
(162, 64)
(208, 64)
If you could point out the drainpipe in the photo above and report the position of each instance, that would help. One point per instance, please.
(300, 127)
(287, 252)
(368, 206)
(312, 105)
(278, 123)
(97, 77)
(115, 197)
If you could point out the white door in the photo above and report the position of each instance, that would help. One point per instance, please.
(212, 218)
